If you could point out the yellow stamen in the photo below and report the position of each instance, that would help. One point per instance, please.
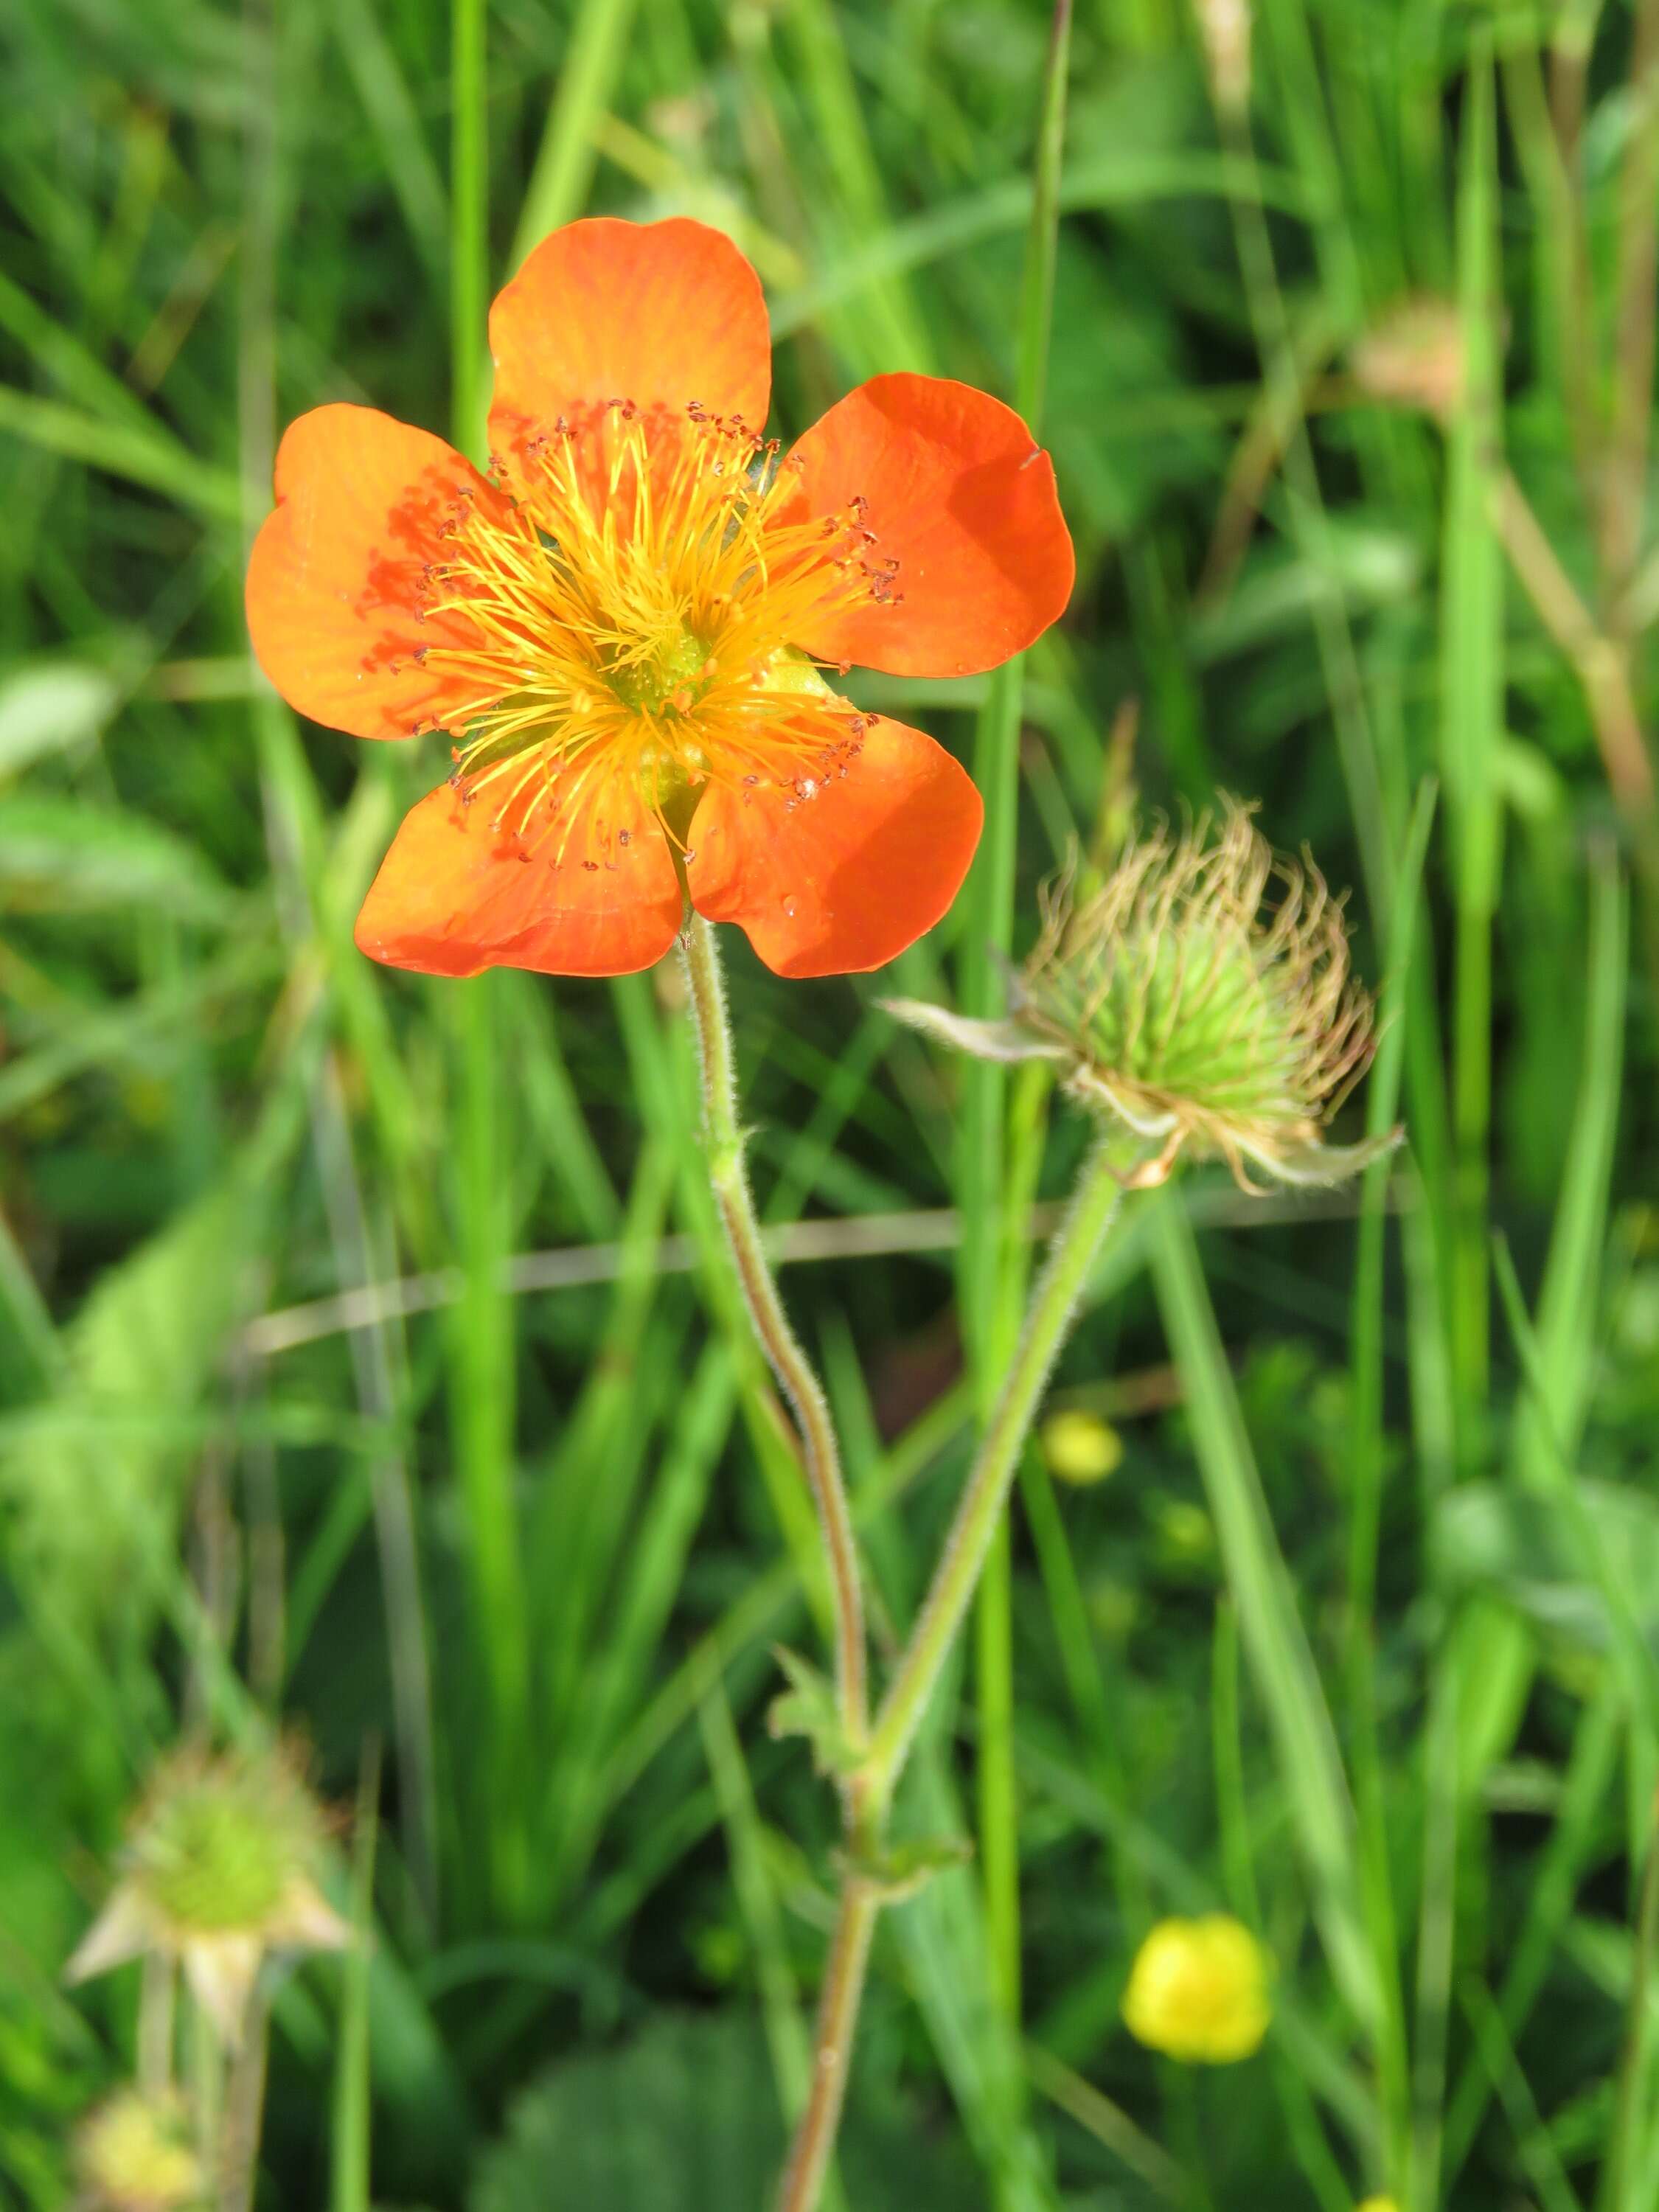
(634, 621)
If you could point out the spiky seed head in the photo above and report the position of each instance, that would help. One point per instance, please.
(1199, 1002)
(1202, 997)
(134, 2154)
(219, 1840)
(1198, 1991)
(221, 1868)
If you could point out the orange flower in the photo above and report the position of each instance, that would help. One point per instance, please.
(622, 628)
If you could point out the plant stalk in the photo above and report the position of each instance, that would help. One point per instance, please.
(832, 2047)
(1054, 1302)
(724, 1138)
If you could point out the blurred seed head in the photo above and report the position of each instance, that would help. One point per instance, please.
(220, 1870)
(1224, 26)
(1198, 1991)
(1414, 358)
(1186, 1536)
(134, 2154)
(1080, 1448)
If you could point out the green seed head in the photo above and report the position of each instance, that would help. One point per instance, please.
(220, 1841)
(1202, 996)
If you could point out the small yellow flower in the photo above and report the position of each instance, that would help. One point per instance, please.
(1378, 2204)
(134, 2155)
(1198, 1991)
(1080, 1447)
(220, 1870)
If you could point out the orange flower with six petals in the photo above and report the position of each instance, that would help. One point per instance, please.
(624, 629)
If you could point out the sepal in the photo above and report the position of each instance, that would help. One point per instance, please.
(808, 1708)
(897, 1872)
(1001, 1041)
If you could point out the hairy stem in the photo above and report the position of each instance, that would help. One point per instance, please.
(723, 1137)
(1047, 1321)
(832, 2047)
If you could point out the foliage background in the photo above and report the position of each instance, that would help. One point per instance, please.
(530, 1529)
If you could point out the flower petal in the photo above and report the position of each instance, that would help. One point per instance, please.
(660, 313)
(362, 500)
(591, 892)
(961, 496)
(836, 880)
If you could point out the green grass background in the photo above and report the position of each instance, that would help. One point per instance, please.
(1359, 1642)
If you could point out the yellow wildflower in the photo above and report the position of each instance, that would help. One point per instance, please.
(1080, 1447)
(1198, 1991)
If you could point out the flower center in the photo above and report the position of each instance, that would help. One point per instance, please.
(666, 676)
(214, 1860)
(635, 621)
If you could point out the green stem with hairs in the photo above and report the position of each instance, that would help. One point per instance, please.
(1048, 1321)
(832, 2050)
(724, 1138)
(870, 1793)
(867, 1789)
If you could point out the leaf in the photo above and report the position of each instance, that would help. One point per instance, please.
(1522, 1548)
(61, 855)
(685, 2118)
(808, 1708)
(94, 1519)
(51, 707)
(900, 1871)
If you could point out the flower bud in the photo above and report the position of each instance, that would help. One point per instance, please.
(1198, 1991)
